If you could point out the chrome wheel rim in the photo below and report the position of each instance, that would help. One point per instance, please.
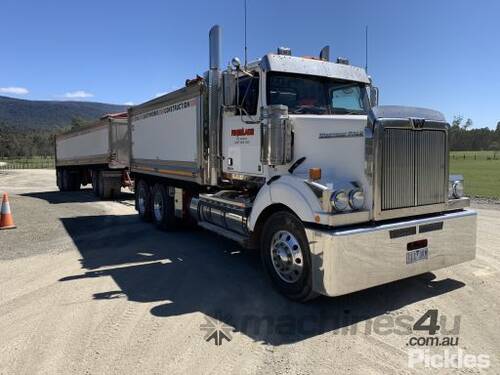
(158, 206)
(286, 256)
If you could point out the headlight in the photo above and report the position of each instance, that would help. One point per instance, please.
(340, 200)
(356, 199)
(458, 189)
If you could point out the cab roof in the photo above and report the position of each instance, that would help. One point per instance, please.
(314, 67)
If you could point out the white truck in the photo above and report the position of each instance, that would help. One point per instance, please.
(292, 156)
(96, 154)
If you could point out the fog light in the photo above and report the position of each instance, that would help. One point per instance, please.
(356, 199)
(340, 200)
(458, 189)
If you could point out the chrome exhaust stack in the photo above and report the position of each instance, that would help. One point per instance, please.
(214, 83)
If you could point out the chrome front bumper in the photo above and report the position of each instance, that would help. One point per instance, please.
(348, 260)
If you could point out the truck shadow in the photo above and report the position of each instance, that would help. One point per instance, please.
(201, 272)
(85, 195)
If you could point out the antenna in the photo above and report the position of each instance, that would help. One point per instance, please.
(245, 5)
(366, 48)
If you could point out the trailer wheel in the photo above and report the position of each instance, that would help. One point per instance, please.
(104, 186)
(286, 256)
(95, 182)
(59, 179)
(163, 208)
(66, 180)
(75, 180)
(143, 200)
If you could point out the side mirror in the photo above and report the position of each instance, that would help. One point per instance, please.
(229, 88)
(374, 96)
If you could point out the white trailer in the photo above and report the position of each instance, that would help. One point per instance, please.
(96, 154)
(292, 156)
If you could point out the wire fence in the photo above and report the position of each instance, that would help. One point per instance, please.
(475, 155)
(39, 162)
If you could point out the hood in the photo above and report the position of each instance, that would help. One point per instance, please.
(334, 143)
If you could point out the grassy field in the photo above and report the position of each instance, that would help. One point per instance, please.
(481, 170)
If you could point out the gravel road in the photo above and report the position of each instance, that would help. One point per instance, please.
(85, 287)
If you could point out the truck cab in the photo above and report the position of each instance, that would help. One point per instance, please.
(325, 107)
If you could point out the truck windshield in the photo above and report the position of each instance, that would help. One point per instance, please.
(316, 95)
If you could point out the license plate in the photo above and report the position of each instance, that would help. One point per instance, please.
(417, 255)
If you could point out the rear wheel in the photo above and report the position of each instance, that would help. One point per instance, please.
(106, 186)
(66, 180)
(143, 200)
(286, 256)
(75, 180)
(95, 182)
(59, 179)
(163, 208)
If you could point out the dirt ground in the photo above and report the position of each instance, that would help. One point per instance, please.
(85, 287)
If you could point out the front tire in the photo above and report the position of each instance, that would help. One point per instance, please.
(286, 256)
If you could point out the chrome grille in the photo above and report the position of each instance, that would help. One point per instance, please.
(431, 167)
(413, 168)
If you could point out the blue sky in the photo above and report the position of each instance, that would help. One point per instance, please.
(439, 54)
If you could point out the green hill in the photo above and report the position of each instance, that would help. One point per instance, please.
(44, 114)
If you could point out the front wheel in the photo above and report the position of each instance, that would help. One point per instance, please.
(286, 256)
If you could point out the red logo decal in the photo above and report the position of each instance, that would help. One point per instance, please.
(242, 132)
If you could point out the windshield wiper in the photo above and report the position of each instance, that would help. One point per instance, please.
(305, 109)
(345, 111)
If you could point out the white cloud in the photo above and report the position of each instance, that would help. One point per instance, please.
(79, 94)
(160, 94)
(128, 103)
(14, 90)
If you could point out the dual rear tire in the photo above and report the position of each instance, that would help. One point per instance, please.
(105, 187)
(156, 203)
(68, 180)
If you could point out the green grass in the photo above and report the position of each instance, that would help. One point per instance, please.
(481, 171)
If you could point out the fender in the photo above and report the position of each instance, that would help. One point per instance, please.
(290, 191)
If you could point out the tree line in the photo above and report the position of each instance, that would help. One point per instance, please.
(16, 142)
(465, 138)
(19, 142)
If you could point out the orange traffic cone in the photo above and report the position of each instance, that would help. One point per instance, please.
(6, 220)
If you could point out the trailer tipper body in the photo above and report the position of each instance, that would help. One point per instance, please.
(96, 154)
(293, 156)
